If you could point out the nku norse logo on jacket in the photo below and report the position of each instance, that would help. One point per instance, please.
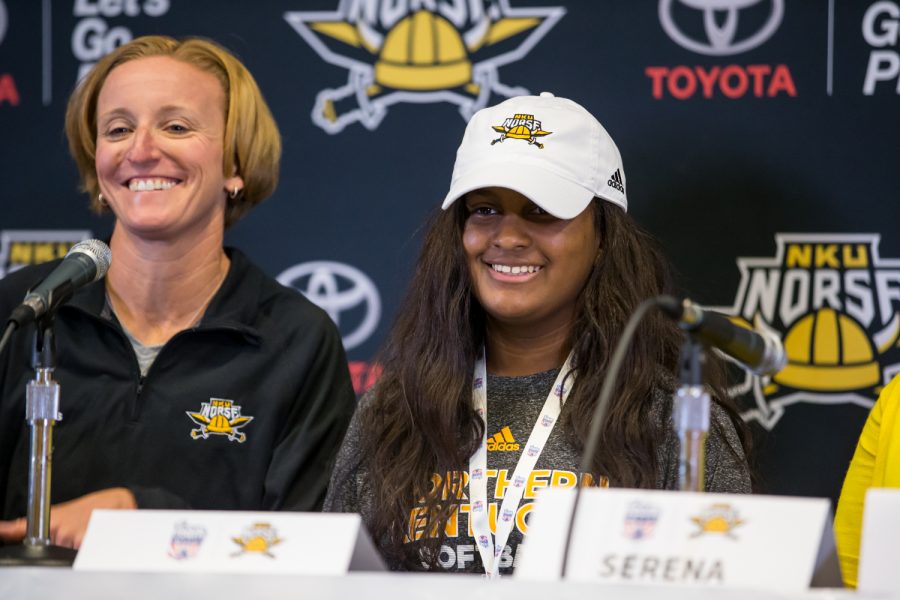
(219, 417)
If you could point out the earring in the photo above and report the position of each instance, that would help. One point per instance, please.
(234, 192)
(101, 200)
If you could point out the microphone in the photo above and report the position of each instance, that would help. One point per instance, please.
(760, 351)
(86, 262)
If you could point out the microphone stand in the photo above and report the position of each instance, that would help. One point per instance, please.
(690, 415)
(41, 413)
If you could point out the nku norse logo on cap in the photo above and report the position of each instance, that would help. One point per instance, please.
(418, 52)
(521, 127)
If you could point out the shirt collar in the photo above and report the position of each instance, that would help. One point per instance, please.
(233, 308)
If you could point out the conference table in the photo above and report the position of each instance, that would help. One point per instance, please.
(27, 583)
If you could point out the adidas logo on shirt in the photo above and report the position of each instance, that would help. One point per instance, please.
(503, 440)
(616, 181)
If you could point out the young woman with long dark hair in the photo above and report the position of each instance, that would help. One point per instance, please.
(523, 287)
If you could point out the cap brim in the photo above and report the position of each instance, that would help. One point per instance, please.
(557, 195)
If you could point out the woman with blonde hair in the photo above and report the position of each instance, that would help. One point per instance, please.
(190, 379)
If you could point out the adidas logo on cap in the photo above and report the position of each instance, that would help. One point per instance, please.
(615, 181)
(503, 440)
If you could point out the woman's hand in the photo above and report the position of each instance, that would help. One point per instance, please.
(69, 520)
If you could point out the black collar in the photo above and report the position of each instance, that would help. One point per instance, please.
(233, 308)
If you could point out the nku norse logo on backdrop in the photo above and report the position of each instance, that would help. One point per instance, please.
(23, 247)
(417, 51)
(834, 302)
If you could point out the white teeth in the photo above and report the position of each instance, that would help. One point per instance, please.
(517, 270)
(146, 185)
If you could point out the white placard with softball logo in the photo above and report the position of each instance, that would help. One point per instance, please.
(648, 537)
(227, 542)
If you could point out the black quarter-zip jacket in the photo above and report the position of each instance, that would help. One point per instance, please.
(261, 351)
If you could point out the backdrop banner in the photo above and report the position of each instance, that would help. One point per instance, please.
(756, 135)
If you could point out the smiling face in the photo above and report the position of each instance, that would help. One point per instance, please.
(528, 267)
(160, 128)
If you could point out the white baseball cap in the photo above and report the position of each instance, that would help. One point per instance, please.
(551, 150)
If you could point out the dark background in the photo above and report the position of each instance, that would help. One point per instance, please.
(715, 179)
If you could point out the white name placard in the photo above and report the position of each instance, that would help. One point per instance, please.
(680, 538)
(878, 570)
(227, 541)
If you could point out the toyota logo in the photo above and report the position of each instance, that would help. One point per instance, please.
(339, 289)
(720, 33)
(3, 20)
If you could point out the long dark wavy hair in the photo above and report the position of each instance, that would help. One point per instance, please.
(421, 419)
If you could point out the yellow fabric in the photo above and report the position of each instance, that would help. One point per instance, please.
(876, 463)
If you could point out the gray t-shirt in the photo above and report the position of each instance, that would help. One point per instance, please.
(145, 355)
(514, 404)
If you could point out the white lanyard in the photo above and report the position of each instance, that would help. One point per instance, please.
(491, 547)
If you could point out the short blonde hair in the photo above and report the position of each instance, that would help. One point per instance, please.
(252, 143)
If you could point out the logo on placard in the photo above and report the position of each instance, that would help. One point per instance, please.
(186, 541)
(219, 417)
(259, 538)
(720, 20)
(717, 519)
(521, 127)
(728, 27)
(347, 294)
(640, 520)
(502, 441)
(833, 301)
(420, 53)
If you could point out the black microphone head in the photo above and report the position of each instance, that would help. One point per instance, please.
(98, 252)
(86, 262)
(671, 306)
(686, 313)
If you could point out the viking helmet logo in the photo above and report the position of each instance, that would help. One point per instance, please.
(424, 52)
